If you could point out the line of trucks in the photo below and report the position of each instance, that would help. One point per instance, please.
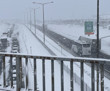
(4, 42)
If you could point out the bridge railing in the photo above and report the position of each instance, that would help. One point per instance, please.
(96, 65)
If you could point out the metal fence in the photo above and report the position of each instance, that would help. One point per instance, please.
(96, 65)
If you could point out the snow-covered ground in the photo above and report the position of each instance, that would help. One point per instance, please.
(30, 45)
(75, 31)
(61, 52)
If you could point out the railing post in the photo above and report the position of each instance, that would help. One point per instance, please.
(11, 71)
(18, 74)
(26, 62)
(20, 62)
(97, 76)
(35, 78)
(4, 81)
(62, 77)
(102, 76)
(43, 73)
(52, 74)
(71, 76)
(82, 76)
(92, 77)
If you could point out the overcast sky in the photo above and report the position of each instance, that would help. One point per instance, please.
(60, 9)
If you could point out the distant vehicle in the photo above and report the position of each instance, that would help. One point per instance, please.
(14, 67)
(14, 82)
(14, 51)
(4, 40)
(14, 71)
(14, 78)
(15, 41)
(81, 48)
(14, 62)
(0, 46)
(92, 42)
(5, 33)
(14, 47)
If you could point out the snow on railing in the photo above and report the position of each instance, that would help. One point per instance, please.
(97, 65)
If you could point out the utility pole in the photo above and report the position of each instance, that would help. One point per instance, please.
(97, 28)
(27, 18)
(35, 20)
(30, 19)
(24, 19)
(43, 22)
(43, 4)
(97, 44)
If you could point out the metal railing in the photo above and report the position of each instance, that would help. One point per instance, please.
(96, 65)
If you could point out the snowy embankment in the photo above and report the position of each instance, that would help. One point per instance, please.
(75, 31)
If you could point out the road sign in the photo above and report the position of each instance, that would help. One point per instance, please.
(89, 27)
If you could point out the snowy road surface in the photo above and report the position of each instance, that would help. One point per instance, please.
(30, 45)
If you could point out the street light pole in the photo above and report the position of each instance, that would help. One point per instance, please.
(43, 22)
(98, 44)
(35, 20)
(27, 18)
(30, 19)
(24, 19)
(43, 4)
(97, 28)
(34, 9)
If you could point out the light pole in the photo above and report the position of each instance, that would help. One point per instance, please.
(30, 20)
(35, 19)
(43, 17)
(97, 44)
(27, 17)
(97, 28)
